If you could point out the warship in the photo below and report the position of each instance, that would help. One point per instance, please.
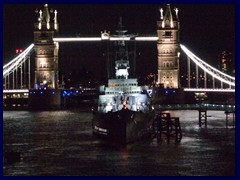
(123, 113)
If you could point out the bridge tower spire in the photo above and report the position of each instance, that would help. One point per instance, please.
(46, 50)
(168, 48)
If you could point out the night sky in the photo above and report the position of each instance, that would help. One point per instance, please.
(206, 29)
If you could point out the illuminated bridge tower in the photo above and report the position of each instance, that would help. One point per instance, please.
(168, 48)
(46, 51)
(46, 94)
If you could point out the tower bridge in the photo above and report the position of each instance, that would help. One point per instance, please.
(17, 73)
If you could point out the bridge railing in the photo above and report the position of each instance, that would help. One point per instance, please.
(218, 107)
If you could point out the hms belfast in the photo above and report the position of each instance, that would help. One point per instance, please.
(123, 114)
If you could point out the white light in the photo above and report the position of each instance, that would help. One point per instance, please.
(208, 90)
(161, 12)
(163, 24)
(178, 54)
(39, 26)
(76, 39)
(16, 91)
(48, 26)
(146, 38)
(119, 38)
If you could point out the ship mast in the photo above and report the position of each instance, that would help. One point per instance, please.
(122, 56)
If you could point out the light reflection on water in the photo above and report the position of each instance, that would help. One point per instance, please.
(61, 143)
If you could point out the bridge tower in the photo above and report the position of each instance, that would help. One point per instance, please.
(168, 48)
(46, 50)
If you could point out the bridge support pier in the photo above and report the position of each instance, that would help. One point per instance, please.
(202, 117)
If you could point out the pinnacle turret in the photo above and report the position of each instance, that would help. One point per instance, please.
(44, 19)
(46, 14)
(168, 17)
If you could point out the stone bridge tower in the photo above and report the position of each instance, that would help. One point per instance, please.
(46, 51)
(168, 48)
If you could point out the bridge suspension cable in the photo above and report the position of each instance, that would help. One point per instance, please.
(209, 69)
(15, 73)
(16, 62)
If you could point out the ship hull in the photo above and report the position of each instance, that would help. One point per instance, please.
(123, 126)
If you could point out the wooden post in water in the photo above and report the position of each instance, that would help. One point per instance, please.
(169, 126)
(202, 117)
(227, 118)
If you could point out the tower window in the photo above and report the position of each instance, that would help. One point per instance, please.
(168, 33)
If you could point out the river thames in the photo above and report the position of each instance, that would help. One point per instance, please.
(60, 143)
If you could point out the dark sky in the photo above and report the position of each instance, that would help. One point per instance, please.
(206, 29)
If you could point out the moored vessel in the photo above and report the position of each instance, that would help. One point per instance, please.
(124, 113)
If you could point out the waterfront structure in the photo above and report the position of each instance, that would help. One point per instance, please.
(168, 47)
(46, 50)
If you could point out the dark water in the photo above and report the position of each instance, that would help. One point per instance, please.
(60, 143)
